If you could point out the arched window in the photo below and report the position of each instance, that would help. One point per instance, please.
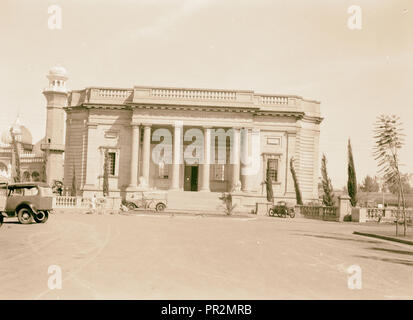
(35, 176)
(26, 176)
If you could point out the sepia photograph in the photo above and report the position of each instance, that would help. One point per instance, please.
(206, 150)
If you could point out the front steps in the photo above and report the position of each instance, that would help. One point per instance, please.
(187, 201)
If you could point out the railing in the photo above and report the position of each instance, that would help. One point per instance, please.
(68, 202)
(71, 202)
(375, 214)
(114, 93)
(330, 213)
(274, 100)
(194, 94)
(320, 212)
(398, 214)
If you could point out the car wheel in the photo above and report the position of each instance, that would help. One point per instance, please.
(41, 216)
(131, 206)
(1, 220)
(271, 212)
(292, 214)
(25, 216)
(160, 207)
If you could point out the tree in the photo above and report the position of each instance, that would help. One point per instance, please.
(15, 144)
(106, 174)
(268, 184)
(298, 195)
(394, 187)
(351, 180)
(73, 191)
(389, 139)
(370, 184)
(328, 196)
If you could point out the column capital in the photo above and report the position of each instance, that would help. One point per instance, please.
(134, 124)
(145, 124)
(206, 127)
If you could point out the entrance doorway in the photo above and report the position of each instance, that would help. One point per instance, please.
(191, 178)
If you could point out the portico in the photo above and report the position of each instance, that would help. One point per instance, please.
(188, 167)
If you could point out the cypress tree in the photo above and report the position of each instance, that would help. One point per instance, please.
(328, 196)
(298, 196)
(352, 181)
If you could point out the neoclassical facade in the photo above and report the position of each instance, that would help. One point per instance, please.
(187, 140)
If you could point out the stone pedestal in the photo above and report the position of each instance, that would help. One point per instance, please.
(344, 207)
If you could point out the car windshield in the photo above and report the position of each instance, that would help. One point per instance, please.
(46, 192)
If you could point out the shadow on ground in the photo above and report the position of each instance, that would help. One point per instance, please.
(336, 238)
(409, 253)
(398, 261)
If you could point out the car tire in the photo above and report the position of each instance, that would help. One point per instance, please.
(41, 216)
(25, 216)
(271, 212)
(131, 206)
(160, 207)
(292, 214)
(1, 220)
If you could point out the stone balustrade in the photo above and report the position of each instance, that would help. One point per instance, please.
(213, 97)
(194, 94)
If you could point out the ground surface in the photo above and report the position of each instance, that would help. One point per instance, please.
(195, 257)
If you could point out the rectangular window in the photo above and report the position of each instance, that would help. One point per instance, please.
(272, 167)
(219, 172)
(112, 163)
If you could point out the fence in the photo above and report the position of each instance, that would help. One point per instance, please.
(67, 202)
(388, 214)
(320, 212)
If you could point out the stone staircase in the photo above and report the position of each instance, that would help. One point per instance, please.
(187, 201)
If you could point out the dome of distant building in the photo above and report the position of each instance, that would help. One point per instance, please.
(22, 134)
(57, 71)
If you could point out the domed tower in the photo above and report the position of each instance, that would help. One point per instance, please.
(53, 146)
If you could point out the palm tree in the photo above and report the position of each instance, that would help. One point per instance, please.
(389, 139)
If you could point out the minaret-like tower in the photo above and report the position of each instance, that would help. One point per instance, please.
(53, 146)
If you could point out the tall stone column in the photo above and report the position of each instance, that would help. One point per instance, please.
(146, 154)
(176, 157)
(244, 158)
(207, 159)
(236, 160)
(134, 156)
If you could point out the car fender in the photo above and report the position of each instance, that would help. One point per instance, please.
(26, 204)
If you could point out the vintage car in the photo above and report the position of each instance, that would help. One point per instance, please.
(27, 201)
(281, 209)
(147, 200)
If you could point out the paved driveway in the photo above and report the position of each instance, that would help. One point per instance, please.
(194, 257)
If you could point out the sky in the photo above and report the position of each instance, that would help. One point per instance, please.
(298, 47)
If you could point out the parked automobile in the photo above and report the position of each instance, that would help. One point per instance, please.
(149, 200)
(281, 209)
(27, 201)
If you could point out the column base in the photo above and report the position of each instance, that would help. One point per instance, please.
(205, 190)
